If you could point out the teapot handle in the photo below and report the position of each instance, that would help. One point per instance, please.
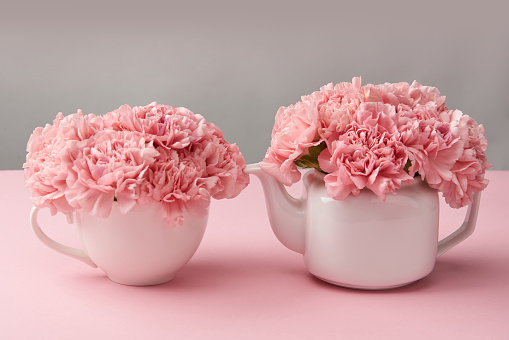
(465, 230)
(79, 254)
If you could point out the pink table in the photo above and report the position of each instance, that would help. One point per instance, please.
(243, 284)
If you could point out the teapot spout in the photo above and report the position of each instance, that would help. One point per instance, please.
(286, 213)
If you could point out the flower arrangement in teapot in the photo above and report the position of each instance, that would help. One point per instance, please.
(377, 137)
(132, 156)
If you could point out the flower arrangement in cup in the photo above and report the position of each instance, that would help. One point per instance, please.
(377, 137)
(132, 156)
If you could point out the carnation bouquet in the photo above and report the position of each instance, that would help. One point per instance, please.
(377, 137)
(132, 156)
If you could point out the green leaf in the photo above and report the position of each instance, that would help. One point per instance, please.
(310, 160)
(407, 166)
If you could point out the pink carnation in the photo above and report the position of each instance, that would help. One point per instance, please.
(294, 132)
(467, 173)
(139, 155)
(375, 137)
(432, 149)
(336, 106)
(404, 94)
(46, 167)
(224, 163)
(167, 126)
(178, 181)
(368, 155)
(308, 123)
(109, 165)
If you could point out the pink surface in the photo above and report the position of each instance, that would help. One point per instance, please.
(243, 284)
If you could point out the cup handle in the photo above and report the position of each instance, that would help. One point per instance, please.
(78, 254)
(465, 230)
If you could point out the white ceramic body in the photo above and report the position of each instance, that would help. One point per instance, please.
(362, 242)
(137, 248)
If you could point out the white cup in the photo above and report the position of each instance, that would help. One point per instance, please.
(137, 248)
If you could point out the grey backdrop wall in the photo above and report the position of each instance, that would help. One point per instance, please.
(236, 63)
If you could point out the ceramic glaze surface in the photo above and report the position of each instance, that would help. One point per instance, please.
(362, 242)
(137, 248)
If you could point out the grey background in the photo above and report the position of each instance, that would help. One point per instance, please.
(237, 62)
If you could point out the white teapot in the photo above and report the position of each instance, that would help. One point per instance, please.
(362, 242)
